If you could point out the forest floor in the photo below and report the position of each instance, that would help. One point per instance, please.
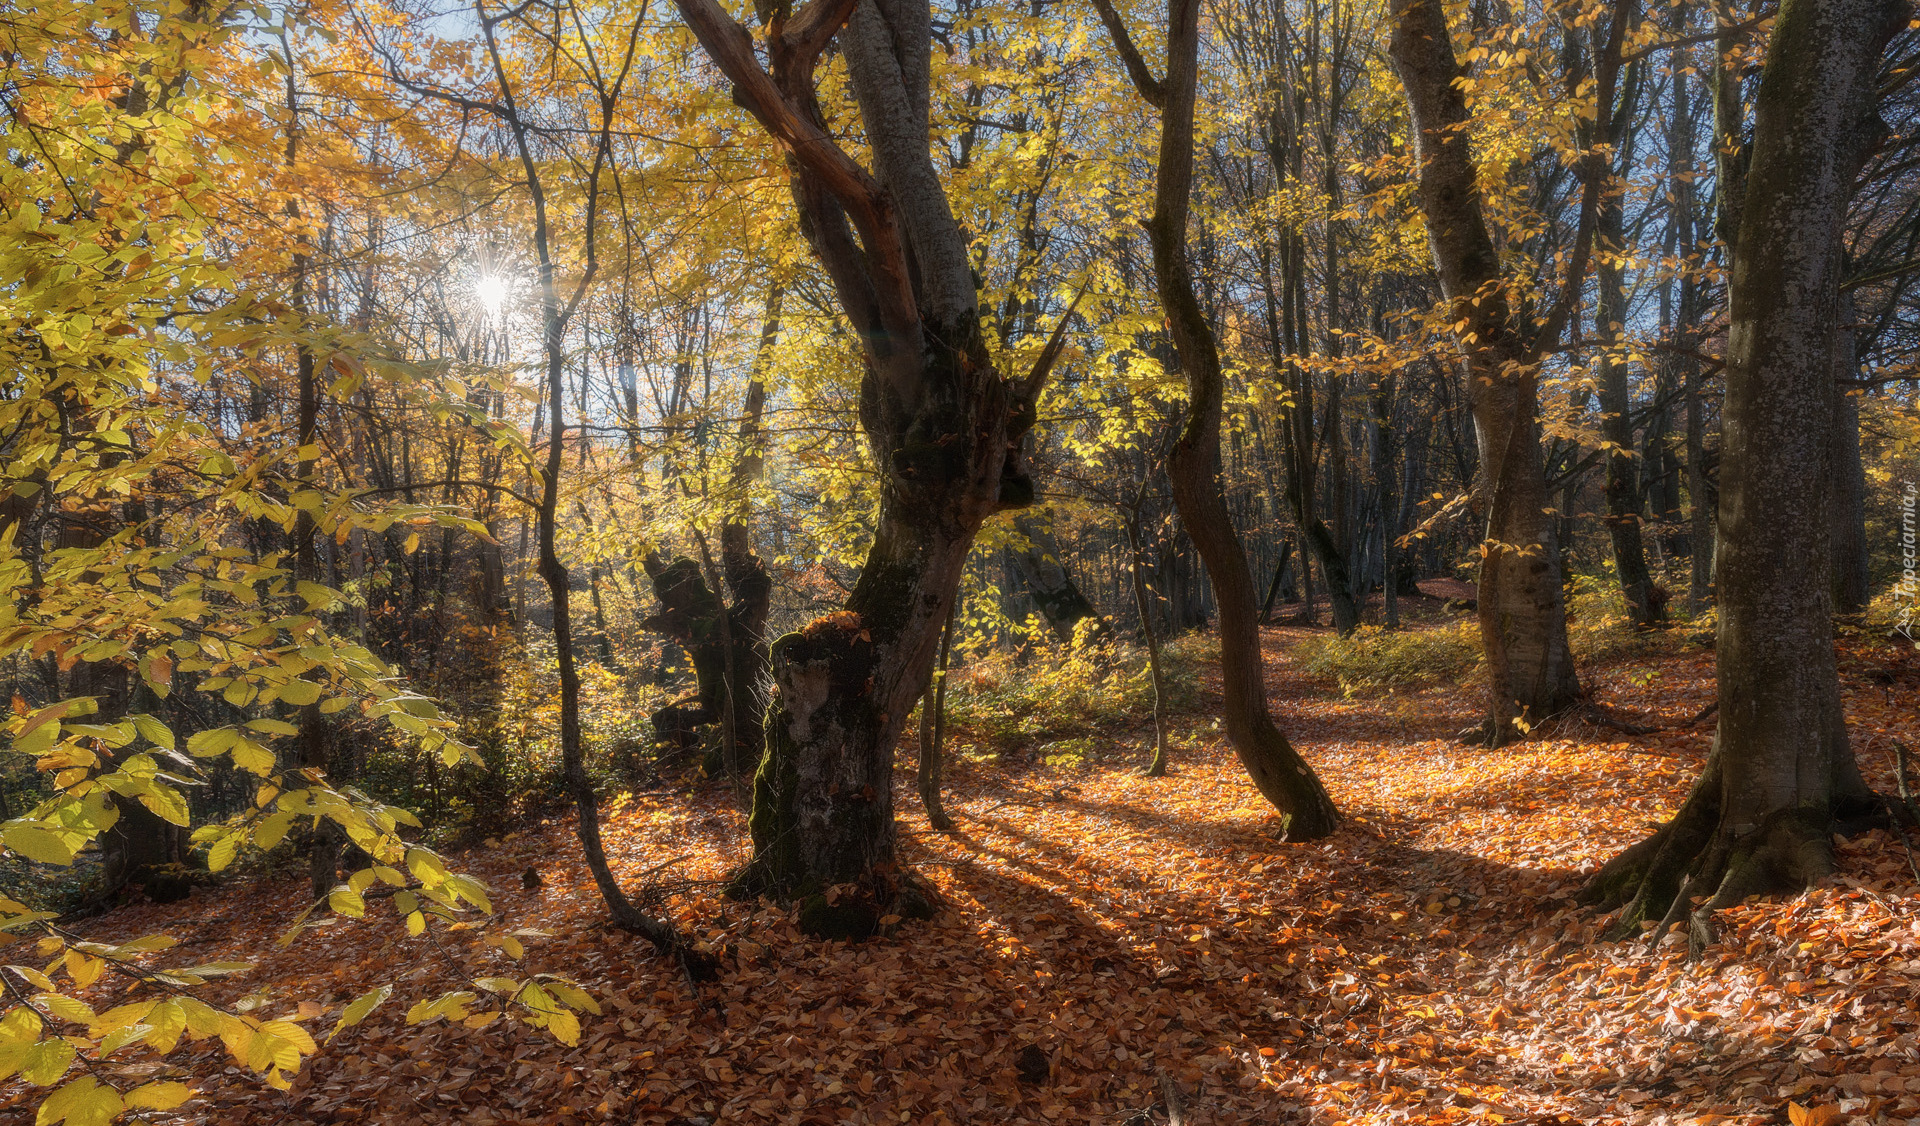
(1425, 964)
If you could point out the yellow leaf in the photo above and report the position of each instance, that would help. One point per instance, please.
(346, 901)
(158, 1096)
(37, 844)
(84, 970)
(43, 1064)
(292, 1034)
(167, 1021)
(83, 1102)
(565, 1027)
(360, 1007)
(67, 1008)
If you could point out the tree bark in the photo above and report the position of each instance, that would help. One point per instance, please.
(942, 427)
(933, 734)
(1780, 777)
(1281, 583)
(1041, 564)
(1157, 766)
(1523, 626)
(1624, 502)
(1193, 468)
(1847, 507)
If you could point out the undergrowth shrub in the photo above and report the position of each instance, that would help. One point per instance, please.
(512, 722)
(1372, 657)
(1891, 616)
(1051, 690)
(1598, 629)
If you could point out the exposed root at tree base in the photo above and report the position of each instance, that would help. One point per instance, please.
(1695, 857)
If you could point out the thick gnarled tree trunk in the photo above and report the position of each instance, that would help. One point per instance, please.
(726, 646)
(1523, 621)
(1780, 777)
(942, 427)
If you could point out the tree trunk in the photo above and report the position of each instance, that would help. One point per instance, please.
(1523, 623)
(844, 686)
(942, 426)
(1781, 777)
(1380, 453)
(1847, 507)
(555, 313)
(726, 644)
(1281, 584)
(1157, 766)
(1041, 564)
(933, 734)
(1193, 468)
(1623, 480)
(1700, 537)
(746, 573)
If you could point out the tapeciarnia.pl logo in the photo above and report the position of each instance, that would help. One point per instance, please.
(1906, 592)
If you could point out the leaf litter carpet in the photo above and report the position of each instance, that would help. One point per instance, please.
(1426, 964)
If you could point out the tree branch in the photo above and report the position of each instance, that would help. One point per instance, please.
(1150, 87)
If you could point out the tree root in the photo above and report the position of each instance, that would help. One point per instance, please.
(1695, 856)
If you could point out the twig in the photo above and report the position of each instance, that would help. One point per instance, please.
(1912, 815)
(1908, 807)
(1176, 1107)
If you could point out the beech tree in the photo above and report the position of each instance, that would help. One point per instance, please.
(1193, 466)
(1522, 608)
(1781, 776)
(943, 427)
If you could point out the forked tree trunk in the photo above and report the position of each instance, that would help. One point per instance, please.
(1781, 777)
(1193, 468)
(942, 428)
(1040, 562)
(1523, 621)
(727, 644)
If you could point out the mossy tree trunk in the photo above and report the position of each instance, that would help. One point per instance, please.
(1781, 777)
(943, 430)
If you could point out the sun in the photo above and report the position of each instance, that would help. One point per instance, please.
(492, 292)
